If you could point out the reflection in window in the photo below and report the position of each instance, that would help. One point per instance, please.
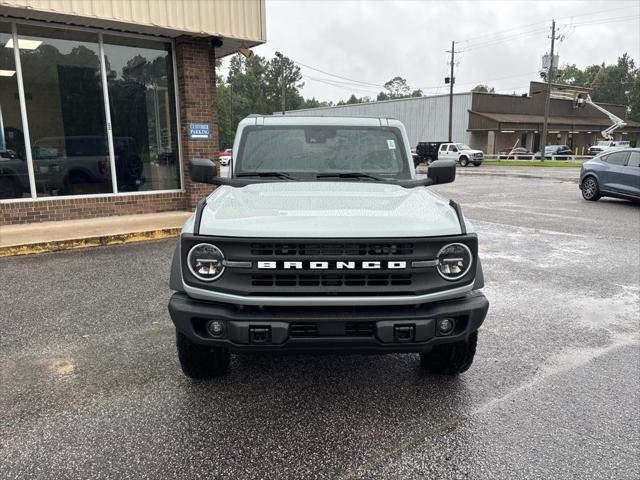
(65, 108)
(140, 81)
(14, 177)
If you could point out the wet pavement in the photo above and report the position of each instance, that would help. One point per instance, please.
(90, 386)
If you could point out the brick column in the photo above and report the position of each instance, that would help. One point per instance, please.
(195, 63)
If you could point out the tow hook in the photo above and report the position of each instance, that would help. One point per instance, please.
(259, 334)
(403, 333)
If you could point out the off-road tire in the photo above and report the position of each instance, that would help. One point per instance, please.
(464, 161)
(200, 361)
(590, 189)
(451, 358)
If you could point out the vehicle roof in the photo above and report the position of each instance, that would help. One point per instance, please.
(276, 120)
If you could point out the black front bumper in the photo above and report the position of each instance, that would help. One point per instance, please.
(386, 329)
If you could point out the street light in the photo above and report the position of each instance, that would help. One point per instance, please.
(281, 57)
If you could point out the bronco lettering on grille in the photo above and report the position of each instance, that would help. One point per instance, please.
(333, 265)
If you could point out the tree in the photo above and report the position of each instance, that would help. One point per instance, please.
(254, 85)
(313, 103)
(617, 83)
(397, 88)
(483, 89)
(292, 80)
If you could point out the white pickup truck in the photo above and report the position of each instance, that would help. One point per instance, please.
(461, 153)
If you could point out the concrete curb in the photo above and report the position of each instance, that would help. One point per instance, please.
(522, 175)
(77, 243)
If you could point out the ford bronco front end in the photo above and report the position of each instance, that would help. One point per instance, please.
(323, 239)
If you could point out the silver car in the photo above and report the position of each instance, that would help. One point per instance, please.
(614, 173)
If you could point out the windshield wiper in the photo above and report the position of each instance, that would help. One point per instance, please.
(350, 175)
(266, 174)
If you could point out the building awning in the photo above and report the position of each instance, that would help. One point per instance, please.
(517, 121)
(237, 24)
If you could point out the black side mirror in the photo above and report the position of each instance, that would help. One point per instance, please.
(442, 171)
(202, 170)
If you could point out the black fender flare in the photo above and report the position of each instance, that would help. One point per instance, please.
(479, 281)
(175, 278)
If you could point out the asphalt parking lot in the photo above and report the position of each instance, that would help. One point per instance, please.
(91, 388)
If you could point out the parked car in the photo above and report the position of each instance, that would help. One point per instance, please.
(318, 241)
(557, 152)
(225, 157)
(518, 153)
(461, 153)
(607, 145)
(612, 174)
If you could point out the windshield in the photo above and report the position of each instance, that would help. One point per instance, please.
(306, 151)
(463, 146)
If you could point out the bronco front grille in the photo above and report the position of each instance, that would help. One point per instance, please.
(331, 280)
(331, 249)
(393, 274)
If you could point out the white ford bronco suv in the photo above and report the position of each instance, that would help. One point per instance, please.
(323, 239)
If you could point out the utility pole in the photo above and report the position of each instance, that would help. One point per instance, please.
(451, 82)
(547, 100)
(281, 57)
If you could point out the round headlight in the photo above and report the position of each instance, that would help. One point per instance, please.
(454, 261)
(205, 262)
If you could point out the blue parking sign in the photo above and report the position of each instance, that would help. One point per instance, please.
(199, 131)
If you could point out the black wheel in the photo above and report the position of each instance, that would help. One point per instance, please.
(200, 361)
(590, 189)
(9, 188)
(464, 161)
(451, 358)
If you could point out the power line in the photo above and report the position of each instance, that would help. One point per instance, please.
(626, 18)
(337, 76)
(500, 32)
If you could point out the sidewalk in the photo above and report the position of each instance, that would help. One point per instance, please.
(67, 234)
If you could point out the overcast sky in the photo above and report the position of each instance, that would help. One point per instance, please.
(372, 41)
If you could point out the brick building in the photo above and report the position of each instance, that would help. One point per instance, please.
(103, 103)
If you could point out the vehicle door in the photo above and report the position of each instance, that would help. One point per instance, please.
(452, 152)
(614, 174)
(631, 183)
(443, 153)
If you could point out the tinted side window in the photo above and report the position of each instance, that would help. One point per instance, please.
(617, 158)
(634, 159)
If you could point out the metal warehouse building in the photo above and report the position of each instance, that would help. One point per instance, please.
(493, 122)
(104, 102)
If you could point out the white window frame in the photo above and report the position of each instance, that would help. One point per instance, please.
(25, 121)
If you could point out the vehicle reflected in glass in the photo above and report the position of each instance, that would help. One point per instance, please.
(76, 165)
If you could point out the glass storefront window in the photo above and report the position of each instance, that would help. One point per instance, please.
(143, 117)
(64, 99)
(65, 108)
(14, 176)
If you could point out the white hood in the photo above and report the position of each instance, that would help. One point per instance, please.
(326, 210)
